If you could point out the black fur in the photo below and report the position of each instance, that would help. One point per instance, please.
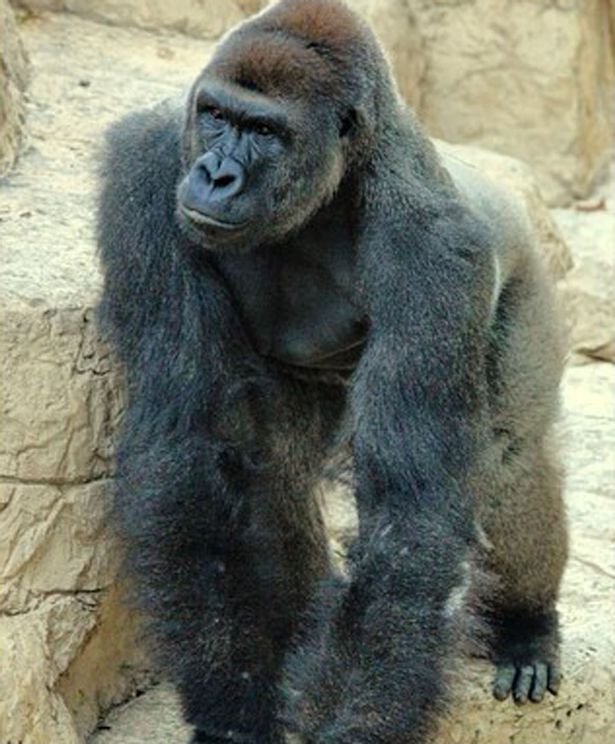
(357, 310)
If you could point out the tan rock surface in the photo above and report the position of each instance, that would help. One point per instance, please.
(397, 28)
(14, 76)
(529, 78)
(588, 291)
(208, 20)
(584, 711)
(393, 21)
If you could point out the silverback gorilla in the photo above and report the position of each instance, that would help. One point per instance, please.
(292, 273)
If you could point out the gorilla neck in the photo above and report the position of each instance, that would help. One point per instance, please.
(298, 298)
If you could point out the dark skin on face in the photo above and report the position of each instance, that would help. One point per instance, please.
(238, 137)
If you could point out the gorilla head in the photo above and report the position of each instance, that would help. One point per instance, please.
(284, 111)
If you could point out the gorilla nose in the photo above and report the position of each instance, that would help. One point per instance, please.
(224, 176)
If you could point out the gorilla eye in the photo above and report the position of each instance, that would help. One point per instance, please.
(263, 129)
(211, 112)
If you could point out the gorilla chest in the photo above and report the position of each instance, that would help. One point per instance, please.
(299, 301)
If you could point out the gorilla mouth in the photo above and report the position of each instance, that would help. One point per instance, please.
(202, 219)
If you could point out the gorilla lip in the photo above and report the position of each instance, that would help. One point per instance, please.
(200, 218)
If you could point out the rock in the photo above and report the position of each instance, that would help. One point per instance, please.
(588, 291)
(397, 28)
(494, 78)
(32, 660)
(109, 667)
(14, 76)
(393, 22)
(482, 72)
(46, 696)
(208, 20)
(154, 718)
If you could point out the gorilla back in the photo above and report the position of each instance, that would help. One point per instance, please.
(291, 269)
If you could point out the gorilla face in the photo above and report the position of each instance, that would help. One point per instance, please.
(255, 167)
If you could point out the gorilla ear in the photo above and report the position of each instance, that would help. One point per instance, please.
(349, 124)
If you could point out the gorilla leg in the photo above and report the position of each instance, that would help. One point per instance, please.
(526, 549)
(519, 499)
(227, 552)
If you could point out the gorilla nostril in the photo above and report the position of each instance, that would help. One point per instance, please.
(225, 180)
(229, 179)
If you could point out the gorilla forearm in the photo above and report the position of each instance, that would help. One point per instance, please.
(419, 409)
(224, 542)
(374, 669)
(420, 390)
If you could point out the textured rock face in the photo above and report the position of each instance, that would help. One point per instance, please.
(532, 79)
(208, 20)
(14, 75)
(397, 27)
(588, 291)
(60, 403)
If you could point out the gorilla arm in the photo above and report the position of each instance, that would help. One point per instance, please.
(419, 408)
(181, 498)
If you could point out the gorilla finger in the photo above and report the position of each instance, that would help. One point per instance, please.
(504, 678)
(523, 683)
(555, 678)
(541, 677)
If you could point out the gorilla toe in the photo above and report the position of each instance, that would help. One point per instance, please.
(525, 651)
(527, 681)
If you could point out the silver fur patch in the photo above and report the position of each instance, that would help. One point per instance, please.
(456, 601)
(497, 283)
(482, 538)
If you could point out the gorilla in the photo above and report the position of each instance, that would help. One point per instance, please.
(296, 284)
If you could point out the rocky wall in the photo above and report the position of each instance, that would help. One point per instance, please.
(14, 76)
(530, 78)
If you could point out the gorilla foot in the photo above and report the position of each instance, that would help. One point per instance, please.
(526, 681)
(525, 651)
